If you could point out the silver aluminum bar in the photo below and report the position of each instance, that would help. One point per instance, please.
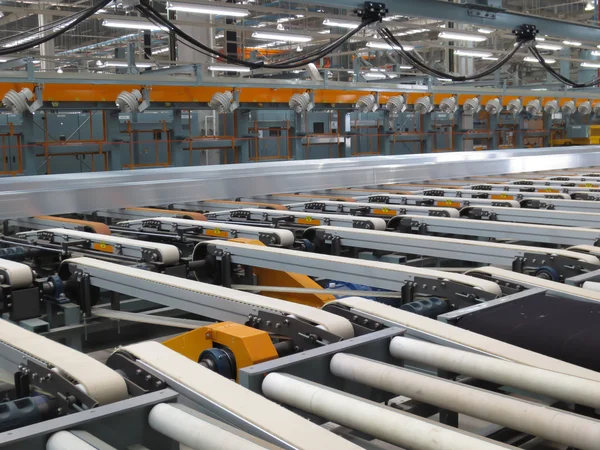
(535, 216)
(504, 230)
(573, 206)
(377, 209)
(466, 193)
(441, 202)
(56, 194)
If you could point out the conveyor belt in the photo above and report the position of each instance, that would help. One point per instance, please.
(433, 191)
(283, 425)
(535, 216)
(575, 206)
(269, 236)
(100, 382)
(478, 342)
(221, 205)
(42, 222)
(165, 253)
(139, 213)
(499, 230)
(200, 298)
(376, 209)
(305, 219)
(519, 279)
(19, 275)
(460, 249)
(436, 201)
(376, 274)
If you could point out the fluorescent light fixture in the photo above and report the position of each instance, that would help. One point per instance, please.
(552, 47)
(208, 9)
(490, 58)
(59, 70)
(281, 36)
(414, 31)
(539, 89)
(473, 53)
(540, 38)
(299, 16)
(444, 79)
(280, 27)
(405, 67)
(136, 24)
(390, 18)
(328, 31)
(284, 19)
(139, 65)
(534, 60)
(228, 68)
(589, 6)
(22, 41)
(157, 51)
(385, 46)
(341, 23)
(589, 64)
(299, 48)
(485, 30)
(378, 75)
(572, 43)
(452, 35)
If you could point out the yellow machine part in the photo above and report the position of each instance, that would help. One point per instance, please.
(269, 277)
(249, 345)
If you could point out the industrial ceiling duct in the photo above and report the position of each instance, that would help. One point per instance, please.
(17, 101)
(551, 107)
(448, 105)
(493, 106)
(471, 106)
(223, 102)
(301, 103)
(129, 102)
(515, 106)
(396, 105)
(423, 105)
(597, 109)
(568, 108)
(368, 103)
(534, 107)
(584, 108)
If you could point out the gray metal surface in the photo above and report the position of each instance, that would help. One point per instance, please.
(539, 216)
(55, 194)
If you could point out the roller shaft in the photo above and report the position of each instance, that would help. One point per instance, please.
(553, 384)
(538, 420)
(391, 426)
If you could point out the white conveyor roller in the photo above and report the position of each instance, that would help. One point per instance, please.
(538, 420)
(553, 384)
(591, 286)
(194, 432)
(392, 426)
(286, 237)
(76, 440)
(99, 381)
(262, 413)
(169, 254)
(226, 297)
(466, 338)
(19, 275)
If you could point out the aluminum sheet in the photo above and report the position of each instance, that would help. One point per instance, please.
(68, 193)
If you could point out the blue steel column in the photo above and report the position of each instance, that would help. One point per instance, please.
(296, 133)
(242, 123)
(178, 158)
(115, 150)
(427, 137)
(29, 159)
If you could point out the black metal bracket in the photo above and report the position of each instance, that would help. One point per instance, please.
(139, 381)
(372, 10)
(361, 325)
(525, 32)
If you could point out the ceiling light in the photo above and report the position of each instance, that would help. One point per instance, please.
(59, 70)
(461, 36)
(280, 27)
(572, 43)
(390, 18)
(328, 31)
(539, 89)
(284, 19)
(137, 24)
(385, 46)
(490, 58)
(22, 41)
(589, 6)
(595, 53)
(405, 67)
(208, 9)
(299, 48)
(410, 32)
(444, 79)
(378, 75)
(548, 46)
(160, 50)
(341, 23)
(589, 64)
(485, 30)
(540, 38)
(534, 60)
(281, 36)
(124, 64)
(299, 16)
(473, 53)
(228, 68)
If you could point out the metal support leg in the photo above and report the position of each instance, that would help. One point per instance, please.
(178, 158)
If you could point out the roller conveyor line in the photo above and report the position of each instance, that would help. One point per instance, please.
(304, 219)
(456, 287)
(373, 209)
(205, 229)
(15, 274)
(282, 426)
(224, 205)
(90, 376)
(140, 213)
(200, 298)
(441, 202)
(140, 250)
(519, 257)
(284, 199)
(519, 281)
(573, 206)
(43, 222)
(490, 229)
(482, 344)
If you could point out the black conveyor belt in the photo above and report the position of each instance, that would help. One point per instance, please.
(565, 329)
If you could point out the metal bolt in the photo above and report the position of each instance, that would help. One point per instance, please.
(138, 372)
(158, 384)
(268, 323)
(49, 377)
(59, 411)
(365, 321)
(148, 377)
(286, 322)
